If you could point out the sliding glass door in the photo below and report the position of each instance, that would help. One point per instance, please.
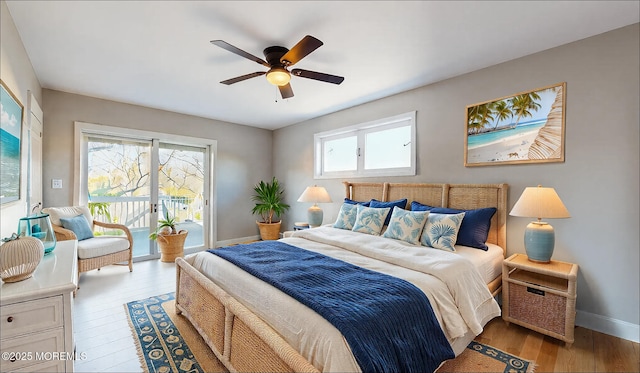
(181, 183)
(135, 182)
(118, 179)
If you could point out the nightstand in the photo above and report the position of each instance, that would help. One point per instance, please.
(540, 296)
(298, 226)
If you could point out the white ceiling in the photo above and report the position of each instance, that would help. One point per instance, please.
(157, 53)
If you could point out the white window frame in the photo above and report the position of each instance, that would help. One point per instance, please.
(360, 130)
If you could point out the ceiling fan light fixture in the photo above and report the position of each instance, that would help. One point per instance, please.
(278, 76)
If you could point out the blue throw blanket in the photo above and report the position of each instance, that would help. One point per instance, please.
(388, 322)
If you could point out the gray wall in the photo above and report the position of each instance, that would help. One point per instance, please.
(18, 75)
(598, 182)
(244, 153)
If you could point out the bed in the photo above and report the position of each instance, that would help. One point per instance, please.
(250, 326)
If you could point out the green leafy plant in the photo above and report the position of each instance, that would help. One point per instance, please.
(100, 209)
(166, 222)
(269, 200)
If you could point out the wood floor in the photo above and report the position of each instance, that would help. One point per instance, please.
(104, 341)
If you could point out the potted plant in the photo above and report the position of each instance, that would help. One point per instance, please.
(170, 241)
(269, 205)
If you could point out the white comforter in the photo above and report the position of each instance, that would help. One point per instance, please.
(460, 299)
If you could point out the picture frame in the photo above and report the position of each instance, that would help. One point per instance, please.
(527, 127)
(12, 113)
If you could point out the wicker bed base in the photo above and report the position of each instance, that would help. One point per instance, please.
(238, 338)
(243, 342)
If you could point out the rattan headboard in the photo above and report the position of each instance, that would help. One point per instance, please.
(457, 196)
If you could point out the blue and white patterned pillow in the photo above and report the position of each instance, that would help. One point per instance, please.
(370, 220)
(346, 216)
(441, 231)
(406, 225)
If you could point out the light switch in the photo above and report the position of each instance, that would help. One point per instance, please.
(56, 183)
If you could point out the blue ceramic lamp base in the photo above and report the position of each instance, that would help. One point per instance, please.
(539, 240)
(315, 216)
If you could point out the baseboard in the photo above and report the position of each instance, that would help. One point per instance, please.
(607, 325)
(236, 241)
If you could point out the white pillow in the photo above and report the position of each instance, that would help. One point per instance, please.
(346, 216)
(406, 225)
(441, 231)
(370, 220)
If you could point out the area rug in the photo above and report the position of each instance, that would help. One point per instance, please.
(478, 357)
(168, 343)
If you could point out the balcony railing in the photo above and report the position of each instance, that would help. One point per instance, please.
(134, 211)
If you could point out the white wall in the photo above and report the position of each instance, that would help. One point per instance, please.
(598, 182)
(18, 75)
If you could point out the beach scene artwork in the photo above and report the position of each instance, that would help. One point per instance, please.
(527, 127)
(10, 129)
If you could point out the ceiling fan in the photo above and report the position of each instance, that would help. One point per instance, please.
(279, 59)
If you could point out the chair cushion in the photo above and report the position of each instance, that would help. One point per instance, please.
(99, 246)
(55, 213)
(78, 225)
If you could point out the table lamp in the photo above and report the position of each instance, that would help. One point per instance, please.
(539, 236)
(315, 194)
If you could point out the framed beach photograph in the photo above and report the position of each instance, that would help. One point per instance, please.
(10, 136)
(527, 127)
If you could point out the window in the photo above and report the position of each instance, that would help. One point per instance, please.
(384, 147)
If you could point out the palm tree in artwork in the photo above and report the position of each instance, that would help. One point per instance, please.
(523, 104)
(502, 111)
(480, 116)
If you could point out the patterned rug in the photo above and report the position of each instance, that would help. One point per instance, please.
(168, 343)
(478, 357)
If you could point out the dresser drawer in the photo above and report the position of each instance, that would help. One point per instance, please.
(30, 349)
(29, 316)
(52, 366)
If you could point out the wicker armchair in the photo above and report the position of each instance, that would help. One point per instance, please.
(96, 252)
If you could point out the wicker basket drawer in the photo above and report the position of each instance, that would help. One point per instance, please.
(536, 307)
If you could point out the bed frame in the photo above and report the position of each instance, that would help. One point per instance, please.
(245, 343)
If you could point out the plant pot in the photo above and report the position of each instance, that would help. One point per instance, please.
(172, 246)
(269, 231)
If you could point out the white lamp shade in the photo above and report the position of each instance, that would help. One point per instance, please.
(315, 194)
(539, 202)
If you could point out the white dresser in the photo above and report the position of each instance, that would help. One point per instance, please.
(36, 323)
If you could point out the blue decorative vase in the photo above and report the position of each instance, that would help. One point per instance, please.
(539, 240)
(38, 226)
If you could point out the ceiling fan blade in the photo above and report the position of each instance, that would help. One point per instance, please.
(286, 91)
(305, 46)
(224, 45)
(243, 77)
(318, 76)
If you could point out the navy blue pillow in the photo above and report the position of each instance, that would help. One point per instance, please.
(474, 229)
(352, 202)
(417, 206)
(402, 203)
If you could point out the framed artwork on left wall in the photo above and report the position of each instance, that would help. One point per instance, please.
(11, 111)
